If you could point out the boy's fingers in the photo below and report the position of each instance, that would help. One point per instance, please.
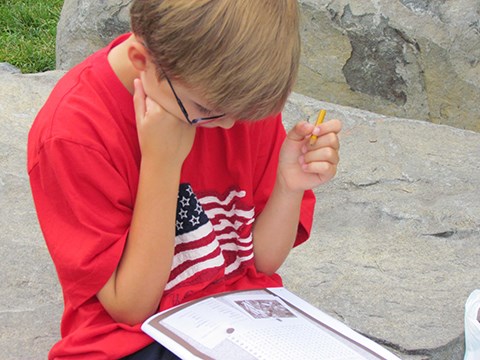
(327, 140)
(139, 99)
(326, 154)
(304, 129)
(331, 126)
(300, 131)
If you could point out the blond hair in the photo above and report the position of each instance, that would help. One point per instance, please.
(242, 54)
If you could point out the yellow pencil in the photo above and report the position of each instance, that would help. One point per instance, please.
(321, 116)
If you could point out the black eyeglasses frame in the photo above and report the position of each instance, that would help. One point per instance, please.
(182, 108)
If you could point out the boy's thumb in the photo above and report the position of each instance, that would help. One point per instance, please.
(300, 131)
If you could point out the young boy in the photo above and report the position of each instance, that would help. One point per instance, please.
(187, 189)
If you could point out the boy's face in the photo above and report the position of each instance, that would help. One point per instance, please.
(169, 93)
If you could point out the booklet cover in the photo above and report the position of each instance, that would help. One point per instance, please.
(265, 324)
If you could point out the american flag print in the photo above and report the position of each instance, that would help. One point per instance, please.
(213, 234)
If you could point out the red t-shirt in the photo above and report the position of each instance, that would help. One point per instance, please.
(83, 162)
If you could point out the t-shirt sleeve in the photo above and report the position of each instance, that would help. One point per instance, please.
(84, 208)
(271, 133)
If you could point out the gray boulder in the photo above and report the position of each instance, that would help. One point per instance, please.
(394, 250)
(6, 67)
(405, 58)
(31, 301)
(86, 26)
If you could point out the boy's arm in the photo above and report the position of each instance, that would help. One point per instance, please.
(301, 167)
(134, 290)
(275, 229)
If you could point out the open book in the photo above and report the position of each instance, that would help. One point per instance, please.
(268, 324)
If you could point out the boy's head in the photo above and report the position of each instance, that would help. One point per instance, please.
(243, 55)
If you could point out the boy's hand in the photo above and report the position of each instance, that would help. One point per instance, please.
(303, 166)
(162, 136)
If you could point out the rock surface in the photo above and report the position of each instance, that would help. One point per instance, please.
(394, 251)
(86, 26)
(31, 301)
(406, 58)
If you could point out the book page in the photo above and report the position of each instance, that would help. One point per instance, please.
(275, 325)
(206, 322)
(258, 324)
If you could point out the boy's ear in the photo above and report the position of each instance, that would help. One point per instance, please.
(138, 55)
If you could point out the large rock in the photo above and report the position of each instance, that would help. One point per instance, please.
(408, 58)
(394, 251)
(31, 301)
(86, 26)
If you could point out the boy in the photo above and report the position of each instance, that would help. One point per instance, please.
(190, 189)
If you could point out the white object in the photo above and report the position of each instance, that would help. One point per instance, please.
(472, 326)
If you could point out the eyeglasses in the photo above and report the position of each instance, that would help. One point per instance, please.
(184, 111)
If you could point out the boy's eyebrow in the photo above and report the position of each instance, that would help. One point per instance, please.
(201, 107)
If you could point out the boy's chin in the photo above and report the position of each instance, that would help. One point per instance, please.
(215, 124)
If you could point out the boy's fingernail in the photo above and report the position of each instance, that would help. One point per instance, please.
(316, 131)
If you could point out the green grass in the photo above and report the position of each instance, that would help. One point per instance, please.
(27, 33)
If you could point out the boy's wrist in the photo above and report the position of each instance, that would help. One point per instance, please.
(162, 165)
(281, 186)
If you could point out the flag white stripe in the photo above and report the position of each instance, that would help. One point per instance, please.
(234, 237)
(192, 270)
(236, 264)
(227, 236)
(245, 240)
(247, 214)
(193, 254)
(225, 223)
(228, 199)
(194, 235)
(235, 247)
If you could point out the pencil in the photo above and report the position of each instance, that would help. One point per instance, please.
(321, 116)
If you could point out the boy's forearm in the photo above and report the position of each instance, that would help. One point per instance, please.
(135, 289)
(276, 228)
